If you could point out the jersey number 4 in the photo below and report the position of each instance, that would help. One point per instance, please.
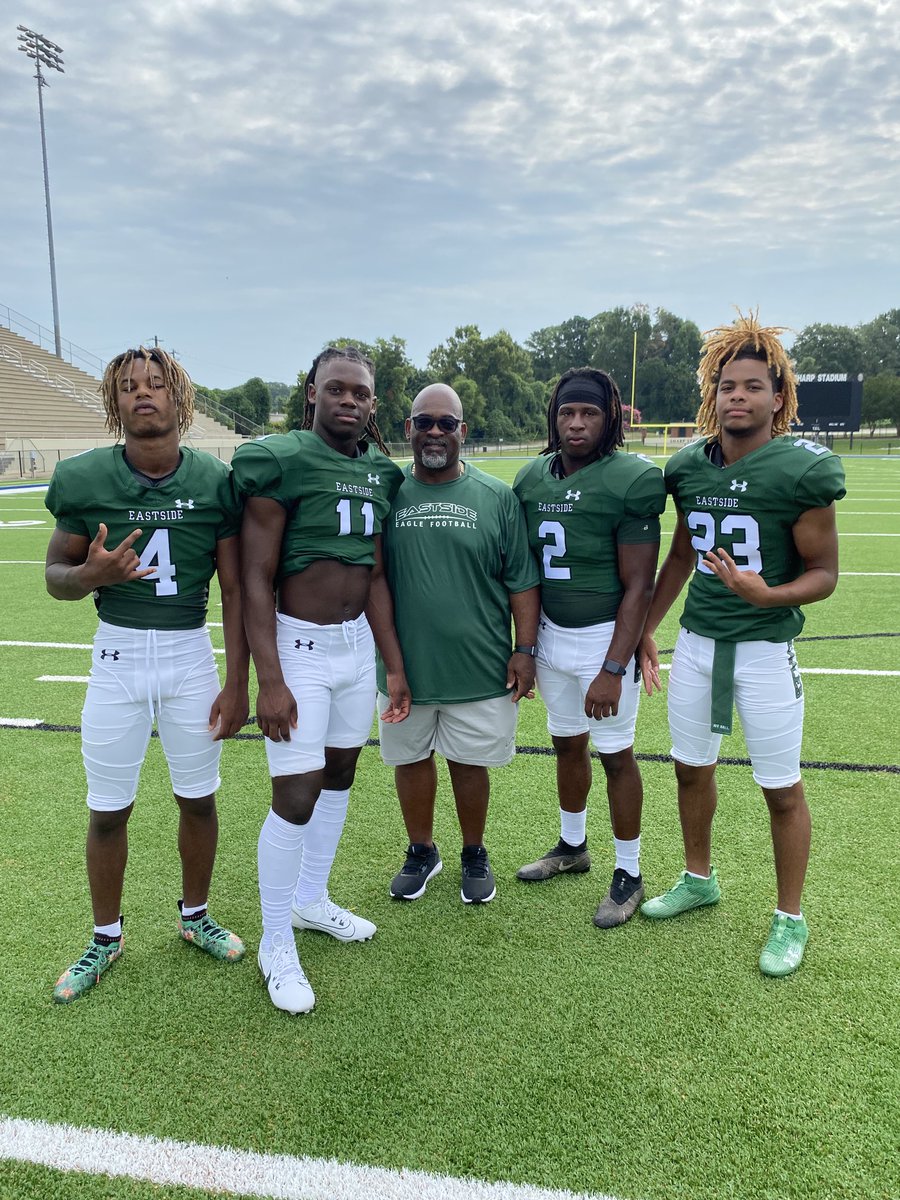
(745, 553)
(156, 554)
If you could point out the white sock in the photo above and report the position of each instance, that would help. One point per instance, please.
(191, 911)
(278, 857)
(573, 826)
(780, 912)
(694, 875)
(628, 855)
(114, 930)
(320, 843)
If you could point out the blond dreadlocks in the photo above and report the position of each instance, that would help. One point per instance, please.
(351, 354)
(746, 338)
(177, 381)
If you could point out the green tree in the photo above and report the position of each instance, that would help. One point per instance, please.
(836, 348)
(881, 401)
(556, 348)
(257, 399)
(881, 343)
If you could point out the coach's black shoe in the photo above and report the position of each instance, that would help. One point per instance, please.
(422, 863)
(621, 901)
(477, 877)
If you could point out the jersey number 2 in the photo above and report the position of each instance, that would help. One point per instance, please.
(156, 554)
(554, 547)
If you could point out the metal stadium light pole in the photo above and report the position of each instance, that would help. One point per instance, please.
(47, 54)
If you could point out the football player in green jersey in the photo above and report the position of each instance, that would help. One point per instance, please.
(460, 571)
(593, 522)
(143, 525)
(311, 561)
(756, 534)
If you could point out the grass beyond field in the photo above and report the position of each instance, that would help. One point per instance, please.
(513, 1042)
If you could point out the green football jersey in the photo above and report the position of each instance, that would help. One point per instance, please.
(335, 505)
(180, 521)
(575, 526)
(454, 551)
(749, 510)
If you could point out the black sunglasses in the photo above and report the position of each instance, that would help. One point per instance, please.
(445, 424)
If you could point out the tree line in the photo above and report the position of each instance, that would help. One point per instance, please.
(505, 386)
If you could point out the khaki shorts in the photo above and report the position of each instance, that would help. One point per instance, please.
(481, 733)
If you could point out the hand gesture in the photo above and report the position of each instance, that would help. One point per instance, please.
(520, 677)
(749, 585)
(114, 566)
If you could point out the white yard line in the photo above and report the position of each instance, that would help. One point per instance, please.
(243, 1172)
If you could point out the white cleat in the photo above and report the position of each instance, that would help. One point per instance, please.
(325, 916)
(288, 987)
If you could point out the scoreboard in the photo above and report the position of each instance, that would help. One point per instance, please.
(829, 402)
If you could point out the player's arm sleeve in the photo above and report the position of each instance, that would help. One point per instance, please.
(822, 483)
(57, 502)
(520, 570)
(258, 472)
(232, 507)
(644, 501)
(519, 483)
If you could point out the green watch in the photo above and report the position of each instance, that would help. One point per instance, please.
(529, 650)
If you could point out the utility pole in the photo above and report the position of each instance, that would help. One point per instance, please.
(47, 54)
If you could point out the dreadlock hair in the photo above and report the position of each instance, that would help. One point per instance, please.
(609, 398)
(350, 354)
(177, 381)
(745, 338)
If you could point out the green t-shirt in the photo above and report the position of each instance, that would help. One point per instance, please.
(749, 509)
(575, 526)
(454, 552)
(181, 521)
(335, 504)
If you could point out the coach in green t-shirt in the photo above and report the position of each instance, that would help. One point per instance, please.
(459, 568)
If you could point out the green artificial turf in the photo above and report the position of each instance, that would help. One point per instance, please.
(509, 1042)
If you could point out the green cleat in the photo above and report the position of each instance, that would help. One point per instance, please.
(689, 892)
(205, 933)
(783, 952)
(101, 952)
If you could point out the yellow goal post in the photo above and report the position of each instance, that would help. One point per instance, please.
(660, 438)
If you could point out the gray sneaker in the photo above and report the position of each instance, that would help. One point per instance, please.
(621, 901)
(562, 859)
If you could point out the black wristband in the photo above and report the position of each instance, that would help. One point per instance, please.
(614, 668)
(529, 650)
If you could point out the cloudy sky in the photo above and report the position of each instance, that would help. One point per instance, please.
(247, 179)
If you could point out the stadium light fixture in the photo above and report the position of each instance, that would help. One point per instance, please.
(48, 55)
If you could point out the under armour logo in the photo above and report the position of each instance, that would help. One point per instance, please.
(573, 495)
(374, 479)
(739, 485)
(113, 654)
(543, 624)
(184, 504)
(299, 644)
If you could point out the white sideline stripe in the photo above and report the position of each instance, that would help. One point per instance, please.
(818, 671)
(243, 1172)
(840, 534)
(65, 646)
(63, 679)
(886, 574)
(21, 722)
(21, 562)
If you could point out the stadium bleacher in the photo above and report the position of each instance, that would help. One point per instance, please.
(53, 408)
